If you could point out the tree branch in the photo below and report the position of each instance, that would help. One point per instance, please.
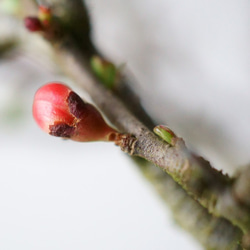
(212, 232)
(209, 187)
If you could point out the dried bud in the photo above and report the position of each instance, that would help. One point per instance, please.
(165, 133)
(33, 24)
(61, 112)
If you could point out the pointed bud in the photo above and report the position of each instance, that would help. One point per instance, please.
(105, 71)
(165, 133)
(61, 112)
(33, 24)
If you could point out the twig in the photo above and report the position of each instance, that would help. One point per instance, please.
(210, 231)
(210, 187)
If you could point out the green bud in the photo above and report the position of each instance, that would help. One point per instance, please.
(165, 133)
(105, 71)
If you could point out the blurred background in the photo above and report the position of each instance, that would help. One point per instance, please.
(189, 64)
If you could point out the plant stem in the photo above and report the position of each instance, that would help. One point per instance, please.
(208, 186)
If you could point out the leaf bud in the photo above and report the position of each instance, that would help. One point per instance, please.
(106, 71)
(165, 133)
(44, 15)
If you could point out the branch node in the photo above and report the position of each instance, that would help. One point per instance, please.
(126, 142)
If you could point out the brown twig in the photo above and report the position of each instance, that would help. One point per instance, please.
(208, 186)
(212, 232)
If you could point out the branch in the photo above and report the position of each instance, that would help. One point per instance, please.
(209, 187)
(212, 232)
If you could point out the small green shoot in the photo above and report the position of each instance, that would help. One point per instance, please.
(165, 133)
(105, 71)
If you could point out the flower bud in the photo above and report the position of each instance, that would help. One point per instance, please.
(61, 112)
(33, 24)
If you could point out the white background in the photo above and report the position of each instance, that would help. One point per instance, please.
(190, 62)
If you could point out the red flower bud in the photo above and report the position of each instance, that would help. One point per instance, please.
(61, 112)
(33, 24)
